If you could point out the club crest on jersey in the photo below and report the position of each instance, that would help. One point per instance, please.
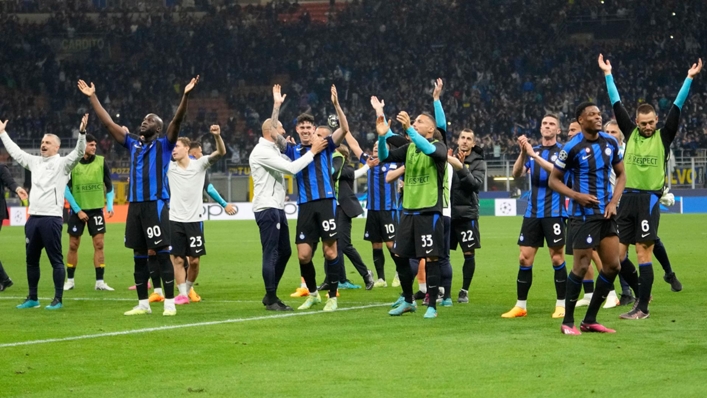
(607, 151)
(563, 155)
(553, 158)
(366, 234)
(522, 238)
(383, 169)
(74, 229)
(301, 235)
(277, 226)
(587, 150)
(589, 239)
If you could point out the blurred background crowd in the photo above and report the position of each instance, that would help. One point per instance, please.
(503, 70)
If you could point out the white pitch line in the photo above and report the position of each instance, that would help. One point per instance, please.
(132, 299)
(186, 325)
(118, 299)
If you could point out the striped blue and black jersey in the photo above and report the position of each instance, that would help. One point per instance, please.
(590, 164)
(382, 195)
(314, 182)
(148, 168)
(543, 202)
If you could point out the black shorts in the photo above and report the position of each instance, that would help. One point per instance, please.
(587, 233)
(316, 220)
(570, 238)
(147, 225)
(96, 223)
(465, 234)
(420, 236)
(187, 239)
(536, 231)
(638, 217)
(380, 226)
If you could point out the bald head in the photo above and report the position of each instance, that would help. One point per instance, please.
(267, 126)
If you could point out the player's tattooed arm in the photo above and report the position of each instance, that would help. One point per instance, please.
(116, 131)
(343, 130)
(278, 99)
(176, 123)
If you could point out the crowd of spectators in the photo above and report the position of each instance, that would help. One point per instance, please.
(505, 64)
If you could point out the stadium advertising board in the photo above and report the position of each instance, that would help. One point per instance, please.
(244, 210)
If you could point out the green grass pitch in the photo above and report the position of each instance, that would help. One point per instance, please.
(468, 350)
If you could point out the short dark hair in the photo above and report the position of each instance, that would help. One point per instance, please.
(581, 107)
(305, 117)
(552, 115)
(90, 138)
(644, 109)
(429, 116)
(194, 145)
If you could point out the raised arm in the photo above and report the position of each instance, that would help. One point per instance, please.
(116, 131)
(343, 129)
(382, 128)
(519, 166)
(278, 99)
(623, 119)
(215, 131)
(672, 122)
(685, 89)
(354, 146)
(23, 158)
(379, 106)
(75, 156)
(440, 117)
(176, 123)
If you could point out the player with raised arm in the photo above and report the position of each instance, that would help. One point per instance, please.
(268, 168)
(589, 157)
(420, 232)
(196, 153)
(544, 217)
(347, 208)
(85, 194)
(185, 209)
(381, 203)
(316, 219)
(50, 173)
(192, 264)
(147, 229)
(646, 154)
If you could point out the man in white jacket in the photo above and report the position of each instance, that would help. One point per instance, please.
(268, 167)
(50, 174)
